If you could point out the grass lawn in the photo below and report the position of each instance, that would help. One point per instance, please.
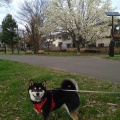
(54, 54)
(15, 103)
(116, 57)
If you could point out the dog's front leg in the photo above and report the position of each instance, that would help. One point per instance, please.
(46, 117)
(46, 113)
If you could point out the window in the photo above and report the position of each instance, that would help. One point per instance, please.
(59, 37)
(68, 45)
(101, 45)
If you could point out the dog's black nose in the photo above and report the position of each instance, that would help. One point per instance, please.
(37, 94)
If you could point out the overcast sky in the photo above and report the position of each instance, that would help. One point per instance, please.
(13, 8)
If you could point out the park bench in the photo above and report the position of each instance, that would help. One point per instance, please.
(40, 52)
(28, 51)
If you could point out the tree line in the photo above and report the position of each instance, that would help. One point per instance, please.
(82, 20)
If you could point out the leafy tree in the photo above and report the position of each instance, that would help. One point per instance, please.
(79, 18)
(9, 31)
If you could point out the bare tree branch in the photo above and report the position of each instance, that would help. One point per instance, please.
(31, 14)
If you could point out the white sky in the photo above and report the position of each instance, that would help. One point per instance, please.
(12, 10)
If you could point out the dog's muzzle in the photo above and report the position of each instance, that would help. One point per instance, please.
(37, 97)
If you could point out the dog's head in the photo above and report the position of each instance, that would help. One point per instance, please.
(36, 91)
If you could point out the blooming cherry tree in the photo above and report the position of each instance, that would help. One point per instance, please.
(81, 19)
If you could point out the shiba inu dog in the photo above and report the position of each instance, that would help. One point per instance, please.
(45, 101)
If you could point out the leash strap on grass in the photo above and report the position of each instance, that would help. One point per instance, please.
(88, 91)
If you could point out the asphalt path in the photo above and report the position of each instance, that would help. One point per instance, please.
(108, 70)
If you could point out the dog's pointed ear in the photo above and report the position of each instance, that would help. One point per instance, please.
(44, 83)
(31, 82)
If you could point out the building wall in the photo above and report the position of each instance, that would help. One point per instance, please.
(104, 41)
(62, 41)
(56, 42)
(67, 44)
(1, 45)
(64, 44)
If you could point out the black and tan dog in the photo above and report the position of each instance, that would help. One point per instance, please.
(45, 101)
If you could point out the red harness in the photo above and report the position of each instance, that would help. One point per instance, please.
(38, 107)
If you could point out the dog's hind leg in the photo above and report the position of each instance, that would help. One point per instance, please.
(74, 115)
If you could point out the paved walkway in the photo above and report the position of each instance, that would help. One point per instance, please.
(97, 67)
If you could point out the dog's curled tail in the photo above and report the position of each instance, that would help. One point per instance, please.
(69, 84)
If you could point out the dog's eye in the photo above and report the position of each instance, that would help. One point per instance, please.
(35, 88)
(40, 89)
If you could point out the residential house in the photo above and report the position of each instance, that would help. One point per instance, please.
(59, 40)
(63, 41)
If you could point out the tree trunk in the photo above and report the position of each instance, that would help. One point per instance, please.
(36, 46)
(12, 49)
(5, 49)
(78, 50)
(78, 47)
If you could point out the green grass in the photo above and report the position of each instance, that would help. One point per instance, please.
(15, 103)
(63, 54)
(116, 57)
(71, 54)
